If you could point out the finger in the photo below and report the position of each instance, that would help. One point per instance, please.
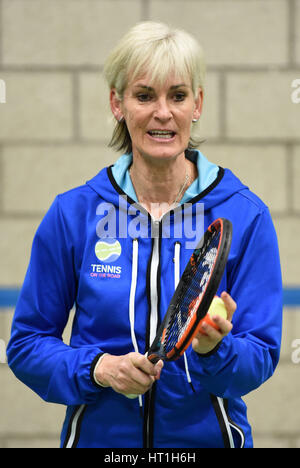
(141, 362)
(138, 377)
(203, 343)
(212, 334)
(159, 367)
(223, 326)
(155, 373)
(141, 380)
(230, 304)
(137, 383)
(129, 377)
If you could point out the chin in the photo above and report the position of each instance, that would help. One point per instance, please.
(162, 152)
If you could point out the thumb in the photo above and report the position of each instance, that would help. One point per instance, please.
(158, 368)
(230, 305)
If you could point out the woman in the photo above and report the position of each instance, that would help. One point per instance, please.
(105, 246)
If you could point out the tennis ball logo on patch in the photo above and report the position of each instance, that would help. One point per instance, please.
(108, 250)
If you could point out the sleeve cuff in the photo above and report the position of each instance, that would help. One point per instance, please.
(94, 365)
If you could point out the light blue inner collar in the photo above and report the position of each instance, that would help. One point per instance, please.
(207, 173)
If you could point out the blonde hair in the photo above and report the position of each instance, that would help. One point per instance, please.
(157, 50)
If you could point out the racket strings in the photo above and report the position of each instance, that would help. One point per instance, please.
(195, 280)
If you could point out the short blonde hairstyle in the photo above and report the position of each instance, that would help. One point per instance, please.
(157, 50)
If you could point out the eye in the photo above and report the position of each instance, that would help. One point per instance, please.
(179, 96)
(144, 97)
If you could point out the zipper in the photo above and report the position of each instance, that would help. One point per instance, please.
(153, 298)
(73, 432)
(225, 423)
(154, 313)
(234, 426)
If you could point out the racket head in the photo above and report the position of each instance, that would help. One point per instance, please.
(194, 293)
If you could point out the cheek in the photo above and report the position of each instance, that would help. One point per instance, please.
(130, 120)
(135, 132)
(185, 125)
(136, 124)
(185, 119)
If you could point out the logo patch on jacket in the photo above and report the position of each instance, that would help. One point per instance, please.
(108, 250)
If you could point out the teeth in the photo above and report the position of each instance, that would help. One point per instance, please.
(161, 133)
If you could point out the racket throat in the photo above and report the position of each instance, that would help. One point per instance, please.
(154, 358)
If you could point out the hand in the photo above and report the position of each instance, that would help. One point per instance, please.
(206, 341)
(131, 373)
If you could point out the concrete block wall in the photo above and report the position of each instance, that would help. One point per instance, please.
(54, 129)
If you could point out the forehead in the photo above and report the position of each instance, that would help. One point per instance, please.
(171, 82)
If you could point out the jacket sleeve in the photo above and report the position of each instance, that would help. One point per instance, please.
(248, 356)
(36, 353)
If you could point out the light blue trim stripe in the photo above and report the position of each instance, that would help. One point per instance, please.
(291, 297)
(9, 297)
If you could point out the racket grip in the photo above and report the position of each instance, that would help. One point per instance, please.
(154, 358)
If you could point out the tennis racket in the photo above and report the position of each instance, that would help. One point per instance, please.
(194, 294)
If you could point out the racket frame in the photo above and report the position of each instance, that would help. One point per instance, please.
(156, 351)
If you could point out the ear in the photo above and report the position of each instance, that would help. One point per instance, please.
(198, 104)
(115, 105)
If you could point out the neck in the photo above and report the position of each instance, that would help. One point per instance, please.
(160, 185)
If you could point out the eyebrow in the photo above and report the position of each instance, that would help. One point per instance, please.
(148, 88)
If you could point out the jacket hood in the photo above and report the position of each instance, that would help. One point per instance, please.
(223, 187)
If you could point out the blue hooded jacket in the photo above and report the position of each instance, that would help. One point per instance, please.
(102, 253)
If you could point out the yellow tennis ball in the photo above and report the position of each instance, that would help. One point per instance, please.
(217, 307)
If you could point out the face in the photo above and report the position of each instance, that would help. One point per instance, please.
(158, 118)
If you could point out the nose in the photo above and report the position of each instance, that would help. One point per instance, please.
(162, 111)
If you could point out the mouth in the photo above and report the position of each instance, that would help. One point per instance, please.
(161, 134)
